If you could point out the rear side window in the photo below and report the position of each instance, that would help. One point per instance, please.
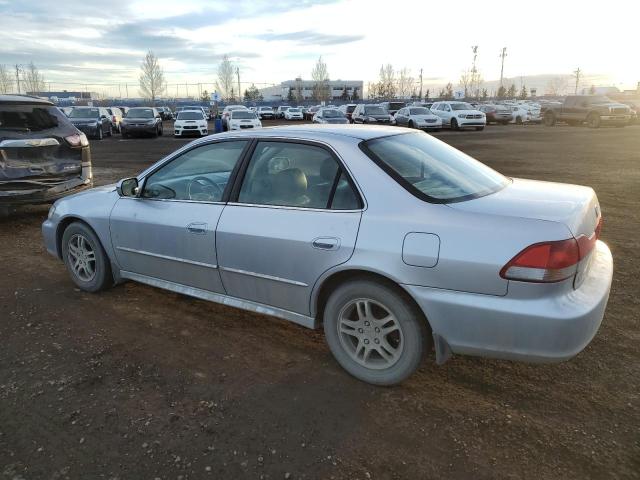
(30, 118)
(296, 175)
(432, 170)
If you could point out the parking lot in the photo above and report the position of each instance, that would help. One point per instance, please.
(140, 383)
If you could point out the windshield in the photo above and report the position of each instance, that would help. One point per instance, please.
(266, 109)
(140, 113)
(294, 110)
(332, 114)
(84, 113)
(190, 115)
(599, 99)
(461, 106)
(431, 169)
(419, 111)
(375, 110)
(29, 118)
(243, 114)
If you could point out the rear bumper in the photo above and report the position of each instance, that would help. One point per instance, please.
(44, 195)
(548, 329)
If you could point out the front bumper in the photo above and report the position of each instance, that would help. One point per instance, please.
(133, 129)
(615, 118)
(179, 132)
(89, 129)
(546, 329)
(471, 122)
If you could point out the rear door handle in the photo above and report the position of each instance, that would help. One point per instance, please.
(326, 243)
(198, 228)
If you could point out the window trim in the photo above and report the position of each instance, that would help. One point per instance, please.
(239, 179)
(143, 177)
(408, 186)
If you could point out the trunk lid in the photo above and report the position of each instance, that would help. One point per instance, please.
(572, 205)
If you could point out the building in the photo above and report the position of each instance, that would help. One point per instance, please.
(302, 90)
(66, 97)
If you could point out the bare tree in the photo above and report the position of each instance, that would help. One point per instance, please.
(224, 84)
(152, 84)
(33, 79)
(320, 76)
(406, 83)
(6, 80)
(466, 79)
(387, 83)
(557, 86)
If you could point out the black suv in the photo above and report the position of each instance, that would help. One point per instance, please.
(141, 120)
(371, 113)
(94, 121)
(42, 155)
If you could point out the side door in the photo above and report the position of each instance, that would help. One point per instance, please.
(295, 214)
(105, 120)
(168, 232)
(401, 117)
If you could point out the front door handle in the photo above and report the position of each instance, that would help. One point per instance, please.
(326, 243)
(198, 228)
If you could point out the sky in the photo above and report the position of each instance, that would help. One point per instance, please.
(88, 42)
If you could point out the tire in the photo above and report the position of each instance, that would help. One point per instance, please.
(74, 236)
(110, 131)
(99, 134)
(593, 120)
(161, 132)
(454, 124)
(549, 119)
(518, 120)
(411, 124)
(408, 341)
(156, 132)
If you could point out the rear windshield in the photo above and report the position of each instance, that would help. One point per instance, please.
(431, 169)
(30, 118)
(332, 114)
(84, 113)
(419, 111)
(140, 113)
(242, 114)
(190, 115)
(375, 110)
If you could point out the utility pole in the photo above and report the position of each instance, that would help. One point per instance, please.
(576, 74)
(474, 73)
(420, 84)
(502, 55)
(238, 75)
(18, 77)
(126, 87)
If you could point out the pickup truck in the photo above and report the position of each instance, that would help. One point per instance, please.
(595, 110)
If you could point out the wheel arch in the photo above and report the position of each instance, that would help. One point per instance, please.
(62, 226)
(331, 282)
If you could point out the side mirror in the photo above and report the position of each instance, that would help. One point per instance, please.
(128, 187)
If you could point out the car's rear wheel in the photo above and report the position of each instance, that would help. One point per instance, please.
(110, 131)
(411, 124)
(374, 333)
(593, 120)
(85, 258)
(454, 124)
(549, 119)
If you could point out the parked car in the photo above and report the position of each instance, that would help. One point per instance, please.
(280, 110)
(141, 120)
(241, 119)
(330, 115)
(634, 110)
(227, 112)
(204, 111)
(594, 110)
(393, 107)
(42, 155)
(372, 113)
(418, 117)
(190, 122)
(457, 115)
(115, 115)
(165, 113)
(311, 111)
(522, 113)
(93, 121)
(453, 252)
(265, 113)
(293, 113)
(496, 113)
(347, 110)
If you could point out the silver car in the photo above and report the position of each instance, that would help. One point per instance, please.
(392, 240)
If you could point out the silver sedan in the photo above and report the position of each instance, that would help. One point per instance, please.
(393, 241)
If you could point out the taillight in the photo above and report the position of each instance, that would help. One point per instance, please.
(77, 140)
(548, 262)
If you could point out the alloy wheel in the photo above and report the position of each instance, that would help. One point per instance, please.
(82, 257)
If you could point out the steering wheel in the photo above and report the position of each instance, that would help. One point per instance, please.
(208, 190)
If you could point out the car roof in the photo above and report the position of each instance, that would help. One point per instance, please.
(314, 132)
(23, 99)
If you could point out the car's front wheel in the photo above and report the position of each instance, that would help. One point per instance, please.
(593, 120)
(454, 124)
(85, 258)
(374, 332)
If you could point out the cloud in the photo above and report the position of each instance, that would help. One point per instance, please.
(309, 37)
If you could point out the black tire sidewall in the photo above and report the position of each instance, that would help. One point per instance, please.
(103, 277)
(411, 322)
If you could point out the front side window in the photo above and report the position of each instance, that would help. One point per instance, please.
(200, 174)
(296, 175)
(431, 169)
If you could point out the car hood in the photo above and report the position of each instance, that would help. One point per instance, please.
(572, 205)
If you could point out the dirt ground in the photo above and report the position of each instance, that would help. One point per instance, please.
(139, 383)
